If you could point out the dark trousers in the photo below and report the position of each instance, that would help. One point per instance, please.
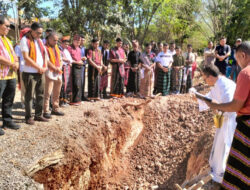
(221, 66)
(133, 82)
(93, 82)
(83, 82)
(77, 83)
(34, 83)
(7, 94)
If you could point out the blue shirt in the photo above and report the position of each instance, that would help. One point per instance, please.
(83, 53)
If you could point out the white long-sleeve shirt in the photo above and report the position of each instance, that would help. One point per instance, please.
(222, 92)
(67, 56)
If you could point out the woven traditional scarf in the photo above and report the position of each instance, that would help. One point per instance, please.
(54, 55)
(6, 50)
(32, 48)
(94, 55)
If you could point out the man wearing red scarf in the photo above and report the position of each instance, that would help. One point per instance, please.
(34, 54)
(53, 76)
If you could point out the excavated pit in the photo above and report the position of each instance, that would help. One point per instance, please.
(119, 144)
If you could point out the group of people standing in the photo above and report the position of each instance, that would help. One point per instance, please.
(224, 57)
(52, 71)
(229, 158)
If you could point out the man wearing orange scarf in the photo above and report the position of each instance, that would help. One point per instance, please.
(8, 67)
(34, 54)
(53, 76)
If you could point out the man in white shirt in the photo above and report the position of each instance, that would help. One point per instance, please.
(164, 62)
(35, 57)
(21, 66)
(222, 91)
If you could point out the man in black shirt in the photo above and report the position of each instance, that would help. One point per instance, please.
(222, 52)
(135, 60)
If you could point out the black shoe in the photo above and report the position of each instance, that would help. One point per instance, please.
(30, 121)
(58, 113)
(41, 118)
(1, 132)
(105, 96)
(85, 99)
(47, 115)
(12, 125)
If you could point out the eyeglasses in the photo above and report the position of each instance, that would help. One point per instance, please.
(39, 33)
(7, 26)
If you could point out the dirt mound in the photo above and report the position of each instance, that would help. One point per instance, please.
(173, 127)
(112, 144)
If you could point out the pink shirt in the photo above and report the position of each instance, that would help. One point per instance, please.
(97, 58)
(75, 53)
(119, 51)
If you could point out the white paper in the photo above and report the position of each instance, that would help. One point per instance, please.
(202, 105)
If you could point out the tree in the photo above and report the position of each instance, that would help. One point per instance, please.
(140, 15)
(216, 15)
(4, 7)
(31, 9)
(176, 20)
(239, 23)
(228, 18)
(95, 17)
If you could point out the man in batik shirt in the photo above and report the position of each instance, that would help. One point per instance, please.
(8, 73)
(117, 60)
(95, 70)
